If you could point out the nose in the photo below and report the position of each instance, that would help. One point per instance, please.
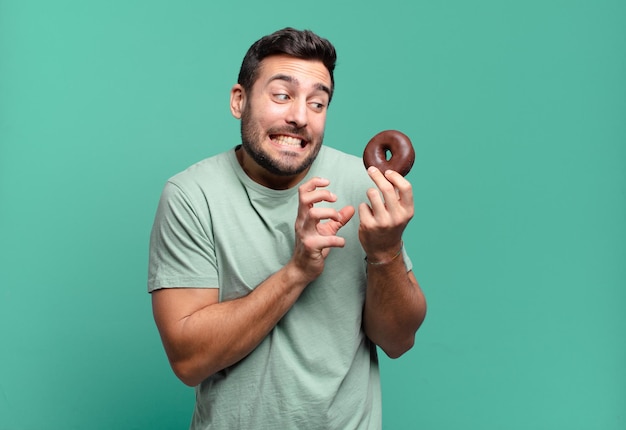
(297, 114)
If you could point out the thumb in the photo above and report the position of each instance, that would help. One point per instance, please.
(346, 214)
(333, 226)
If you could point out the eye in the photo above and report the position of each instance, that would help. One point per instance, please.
(317, 106)
(282, 97)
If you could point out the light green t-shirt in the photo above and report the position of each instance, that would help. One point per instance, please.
(216, 228)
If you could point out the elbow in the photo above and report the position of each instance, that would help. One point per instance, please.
(187, 374)
(397, 349)
(193, 368)
(404, 340)
(184, 374)
(189, 381)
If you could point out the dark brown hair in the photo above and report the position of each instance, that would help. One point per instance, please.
(303, 44)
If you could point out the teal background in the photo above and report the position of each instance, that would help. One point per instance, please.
(518, 114)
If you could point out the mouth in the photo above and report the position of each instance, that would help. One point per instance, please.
(290, 141)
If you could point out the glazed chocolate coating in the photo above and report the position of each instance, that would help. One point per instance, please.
(400, 147)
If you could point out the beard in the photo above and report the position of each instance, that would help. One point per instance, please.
(252, 138)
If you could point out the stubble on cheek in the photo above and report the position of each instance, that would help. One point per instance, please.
(253, 138)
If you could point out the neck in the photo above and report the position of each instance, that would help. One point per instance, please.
(261, 176)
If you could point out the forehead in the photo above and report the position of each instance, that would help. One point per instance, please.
(305, 72)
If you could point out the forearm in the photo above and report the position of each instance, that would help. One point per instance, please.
(202, 335)
(394, 308)
(218, 335)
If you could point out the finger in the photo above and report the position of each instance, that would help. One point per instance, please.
(403, 187)
(313, 191)
(386, 188)
(313, 183)
(377, 203)
(333, 226)
(346, 214)
(309, 198)
(318, 243)
(396, 191)
(334, 219)
(316, 215)
(309, 194)
(365, 214)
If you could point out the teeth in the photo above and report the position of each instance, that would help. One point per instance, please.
(286, 140)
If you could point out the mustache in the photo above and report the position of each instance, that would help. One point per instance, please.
(293, 131)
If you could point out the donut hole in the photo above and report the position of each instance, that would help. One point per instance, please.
(386, 152)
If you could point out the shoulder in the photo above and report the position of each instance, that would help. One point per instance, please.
(203, 171)
(206, 176)
(200, 183)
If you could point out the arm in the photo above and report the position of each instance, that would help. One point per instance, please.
(395, 306)
(202, 336)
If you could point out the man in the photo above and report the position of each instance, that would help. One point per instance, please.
(270, 300)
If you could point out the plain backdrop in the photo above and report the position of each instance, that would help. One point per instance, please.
(517, 110)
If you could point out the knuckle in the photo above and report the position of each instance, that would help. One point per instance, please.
(308, 243)
(405, 186)
(386, 186)
(372, 193)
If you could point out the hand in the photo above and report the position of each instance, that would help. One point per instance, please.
(315, 238)
(383, 223)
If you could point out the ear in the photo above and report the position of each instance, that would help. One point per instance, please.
(237, 100)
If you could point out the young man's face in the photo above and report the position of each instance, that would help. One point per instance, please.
(284, 115)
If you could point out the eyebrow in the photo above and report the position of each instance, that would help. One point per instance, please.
(293, 80)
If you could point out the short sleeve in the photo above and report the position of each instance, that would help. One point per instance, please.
(182, 252)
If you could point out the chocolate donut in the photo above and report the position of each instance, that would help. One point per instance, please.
(398, 145)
